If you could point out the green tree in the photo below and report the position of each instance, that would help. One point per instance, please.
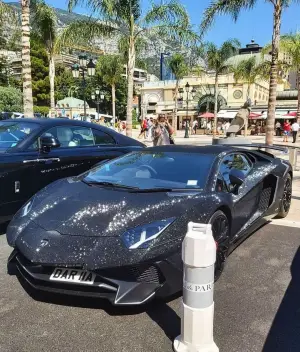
(40, 73)
(26, 63)
(216, 59)
(179, 68)
(10, 99)
(290, 44)
(127, 19)
(111, 68)
(233, 8)
(45, 29)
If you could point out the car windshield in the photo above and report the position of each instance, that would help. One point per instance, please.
(12, 133)
(154, 170)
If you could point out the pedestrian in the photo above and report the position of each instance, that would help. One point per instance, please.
(295, 129)
(286, 130)
(278, 129)
(195, 126)
(219, 127)
(226, 126)
(208, 127)
(149, 131)
(143, 129)
(162, 132)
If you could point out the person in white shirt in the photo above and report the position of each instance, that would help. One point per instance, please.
(226, 126)
(295, 129)
(194, 127)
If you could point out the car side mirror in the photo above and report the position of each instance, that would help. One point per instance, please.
(47, 143)
(236, 177)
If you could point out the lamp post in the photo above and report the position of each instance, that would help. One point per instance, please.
(188, 92)
(98, 97)
(85, 66)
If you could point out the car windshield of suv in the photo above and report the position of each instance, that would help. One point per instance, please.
(154, 170)
(13, 133)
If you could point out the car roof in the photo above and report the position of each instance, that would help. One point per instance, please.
(51, 121)
(204, 149)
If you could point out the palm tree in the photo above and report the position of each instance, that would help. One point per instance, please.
(111, 68)
(127, 19)
(216, 59)
(45, 30)
(26, 62)
(290, 44)
(247, 71)
(179, 68)
(233, 8)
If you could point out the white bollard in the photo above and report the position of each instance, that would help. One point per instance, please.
(199, 256)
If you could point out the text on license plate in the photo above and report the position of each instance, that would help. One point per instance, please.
(73, 276)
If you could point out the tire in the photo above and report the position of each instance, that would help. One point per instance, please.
(286, 200)
(221, 232)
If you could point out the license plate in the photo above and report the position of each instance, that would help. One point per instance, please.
(73, 276)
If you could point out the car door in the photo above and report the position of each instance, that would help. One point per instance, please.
(246, 198)
(80, 148)
(18, 181)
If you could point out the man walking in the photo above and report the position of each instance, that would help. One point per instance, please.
(295, 129)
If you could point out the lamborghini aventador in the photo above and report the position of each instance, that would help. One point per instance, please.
(115, 231)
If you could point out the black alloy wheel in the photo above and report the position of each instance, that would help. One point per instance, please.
(286, 198)
(221, 232)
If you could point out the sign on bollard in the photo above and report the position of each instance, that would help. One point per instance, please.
(199, 256)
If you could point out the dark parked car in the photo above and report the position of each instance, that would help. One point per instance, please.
(116, 231)
(36, 152)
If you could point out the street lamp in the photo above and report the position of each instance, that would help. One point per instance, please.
(193, 92)
(83, 67)
(98, 97)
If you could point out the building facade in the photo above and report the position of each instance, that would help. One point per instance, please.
(159, 97)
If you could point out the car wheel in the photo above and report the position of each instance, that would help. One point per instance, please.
(221, 230)
(286, 200)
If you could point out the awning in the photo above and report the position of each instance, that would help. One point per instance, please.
(292, 114)
(224, 114)
(207, 115)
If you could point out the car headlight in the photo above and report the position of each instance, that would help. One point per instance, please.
(142, 236)
(26, 208)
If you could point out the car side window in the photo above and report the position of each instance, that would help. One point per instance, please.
(241, 163)
(72, 136)
(232, 161)
(102, 138)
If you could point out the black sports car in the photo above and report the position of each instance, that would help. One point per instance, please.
(116, 231)
(36, 152)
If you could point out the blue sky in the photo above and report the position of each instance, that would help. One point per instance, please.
(256, 24)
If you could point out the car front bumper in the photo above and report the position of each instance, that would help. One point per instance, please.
(132, 285)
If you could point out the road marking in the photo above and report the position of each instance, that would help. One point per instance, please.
(288, 223)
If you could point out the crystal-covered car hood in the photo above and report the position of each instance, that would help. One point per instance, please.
(75, 208)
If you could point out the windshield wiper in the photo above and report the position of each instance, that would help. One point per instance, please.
(157, 190)
(109, 184)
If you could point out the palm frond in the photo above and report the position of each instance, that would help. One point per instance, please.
(44, 24)
(178, 66)
(224, 7)
(290, 45)
(171, 12)
(123, 46)
(168, 19)
(84, 31)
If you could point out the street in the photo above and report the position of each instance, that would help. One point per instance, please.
(257, 308)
